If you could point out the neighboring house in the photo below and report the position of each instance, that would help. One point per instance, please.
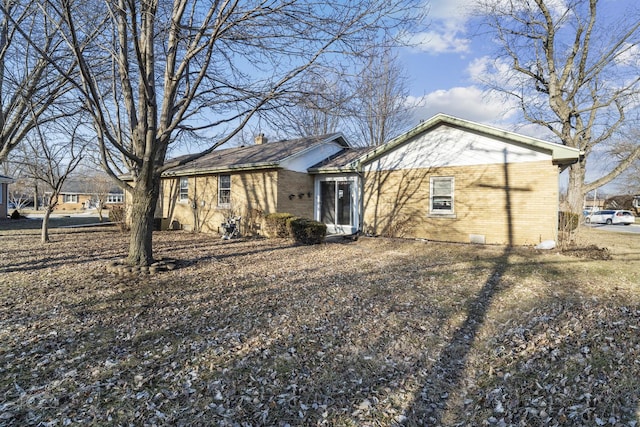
(79, 194)
(4, 196)
(447, 179)
(593, 205)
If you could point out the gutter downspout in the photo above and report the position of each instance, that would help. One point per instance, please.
(360, 175)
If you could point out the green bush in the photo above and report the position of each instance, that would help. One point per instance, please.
(15, 214)
(306, 231)
(568, 221)
(276, 224)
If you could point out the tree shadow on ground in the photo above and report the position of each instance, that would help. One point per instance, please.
(446, 375)
(303, 343)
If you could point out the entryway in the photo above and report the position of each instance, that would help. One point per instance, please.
(337, 204)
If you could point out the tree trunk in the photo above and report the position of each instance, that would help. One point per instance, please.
(143, 206)
(44, 235)
(575, 190)
(35, 198)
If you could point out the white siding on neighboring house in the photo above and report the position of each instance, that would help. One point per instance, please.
(303, 161)
(449, 146)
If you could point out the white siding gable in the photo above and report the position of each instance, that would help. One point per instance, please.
(317, 153)
(449, 146)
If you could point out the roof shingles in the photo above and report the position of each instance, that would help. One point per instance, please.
(270, 154)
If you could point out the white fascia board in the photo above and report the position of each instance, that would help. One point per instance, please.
(210, 171)
(304, 159)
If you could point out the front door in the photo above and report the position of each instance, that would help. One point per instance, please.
(336, 206)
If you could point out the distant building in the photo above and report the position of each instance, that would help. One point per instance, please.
(4, 196)
(79, 194)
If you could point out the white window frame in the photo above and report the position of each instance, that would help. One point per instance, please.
(437, 211)
(115, 198)
(221, 202)
(69, 198)
(183, 189)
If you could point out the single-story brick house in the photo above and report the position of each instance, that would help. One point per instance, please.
(447, 179)
(4, 196)
(78, 194)
(247, 181)
(454, 180)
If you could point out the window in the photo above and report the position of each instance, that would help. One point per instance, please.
(115, 198)
(69, 198)
(184, 189)
(224, 190)
(441, 195)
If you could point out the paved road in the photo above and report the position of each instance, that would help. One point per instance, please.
(81, 214)
(633, 228)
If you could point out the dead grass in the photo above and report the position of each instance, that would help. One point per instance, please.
(376, 332)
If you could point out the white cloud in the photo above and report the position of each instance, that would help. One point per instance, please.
(470, 103)
(440, 42)
(448, 21)
(450, 10)
(447, 28)
(487, 70)
(474, 104)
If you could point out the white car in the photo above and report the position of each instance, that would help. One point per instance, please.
(611, 217)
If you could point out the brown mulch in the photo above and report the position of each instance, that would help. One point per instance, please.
(373, 332)
(589, 251)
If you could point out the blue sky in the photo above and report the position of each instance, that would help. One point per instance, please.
(441, 66)
(444, 65)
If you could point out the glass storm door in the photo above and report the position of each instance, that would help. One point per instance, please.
(335, 203)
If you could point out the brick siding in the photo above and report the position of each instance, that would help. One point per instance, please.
(253, 195)
(521, 213)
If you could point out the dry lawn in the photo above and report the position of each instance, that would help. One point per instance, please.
(375, 332)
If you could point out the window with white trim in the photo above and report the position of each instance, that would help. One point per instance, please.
(441, 190)
(115, 198)
(69, 198)
(224, 190)
(183, 196)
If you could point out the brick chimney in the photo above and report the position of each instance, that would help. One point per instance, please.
(260, 139)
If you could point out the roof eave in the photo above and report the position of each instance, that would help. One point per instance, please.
(337, 169)
(560, 154)
(334, 137)
(215, 170)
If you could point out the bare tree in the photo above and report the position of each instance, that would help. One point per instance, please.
(378, 108)
(21, 189)
(21, 192)
(30, 87)
(318, 106)
(368, 106)
(572, 73)
(50, 158)
(155, 72)
(101, 186)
